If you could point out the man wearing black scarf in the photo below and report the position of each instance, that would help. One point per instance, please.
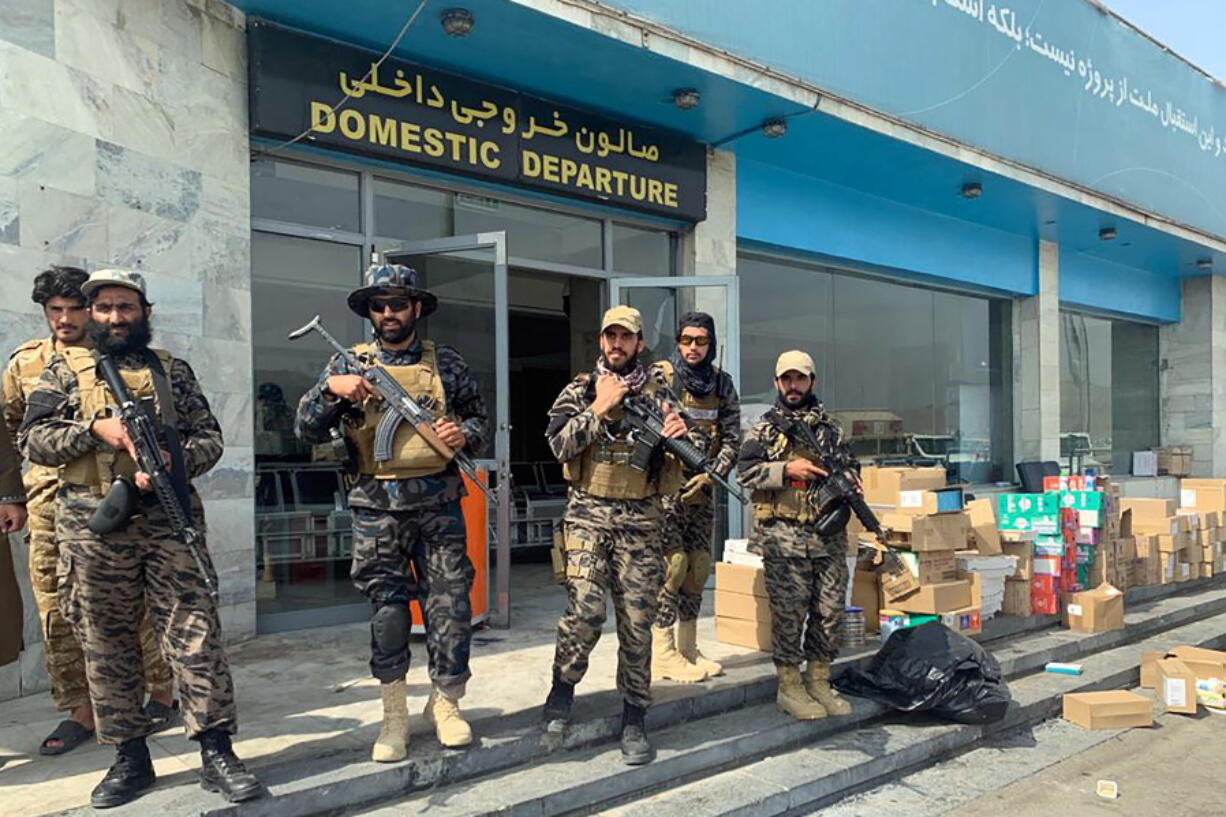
(710, 401)
(806, 570)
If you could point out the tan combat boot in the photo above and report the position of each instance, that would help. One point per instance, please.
(817, 684)
(452, 730)
(792, 697)
(393, 741)
(667, 664)
(687, 645)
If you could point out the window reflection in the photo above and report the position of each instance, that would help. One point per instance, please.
(641, 252)
(305, 194)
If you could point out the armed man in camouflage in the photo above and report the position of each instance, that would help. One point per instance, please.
(58, 292)
(612, 522)
(409, 536)
(806, 566)
(710, 401)
(108, 580)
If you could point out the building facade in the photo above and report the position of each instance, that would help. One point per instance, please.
(996, 229)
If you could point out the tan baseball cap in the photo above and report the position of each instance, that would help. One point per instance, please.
(794, 360)
(625, 316)
(114, 278)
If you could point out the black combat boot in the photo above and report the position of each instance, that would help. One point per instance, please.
(635, 749)
(131, 774)
(222, 771)
(558, 704)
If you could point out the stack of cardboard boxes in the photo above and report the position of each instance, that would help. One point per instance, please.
(1207, 499)
(1163, 540)
(742, 608)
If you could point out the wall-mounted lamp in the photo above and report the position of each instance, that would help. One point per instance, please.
(686, 98)
(774, 128)
(972, 190)
(457, 22)
(1107, 234)
(1204, 264)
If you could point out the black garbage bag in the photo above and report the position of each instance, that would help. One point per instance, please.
(931, 668)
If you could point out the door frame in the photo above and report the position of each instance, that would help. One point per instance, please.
(496, 241)
(731, 340)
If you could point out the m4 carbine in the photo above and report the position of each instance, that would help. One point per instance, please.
(169, 485)
(403, 408)
(647, 425)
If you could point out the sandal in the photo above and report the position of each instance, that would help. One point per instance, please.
(160, 715)
(69, 734)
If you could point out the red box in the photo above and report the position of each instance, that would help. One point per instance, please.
(1044, 595)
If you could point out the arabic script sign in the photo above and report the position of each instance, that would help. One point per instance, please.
(418, 115)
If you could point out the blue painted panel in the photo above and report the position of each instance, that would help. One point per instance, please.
(1060, 86)
(1109, 287)
(788, 210)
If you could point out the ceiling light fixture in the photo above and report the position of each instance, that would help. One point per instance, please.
(972, 190)
(457, 22)
(774, 128)
(1107, 233)
(686, 98)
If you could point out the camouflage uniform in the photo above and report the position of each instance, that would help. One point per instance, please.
(612, 546)
(689, 524)
(61, 653)
(806, 573)
(106, 582)
(409, 536)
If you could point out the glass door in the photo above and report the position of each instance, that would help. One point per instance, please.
(663, 301)
(469, 275)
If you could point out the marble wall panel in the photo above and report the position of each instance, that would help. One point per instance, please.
(40, 152)
(145, 183)
(61, 222)
(37, 86)
(10, 216)
(29, 24)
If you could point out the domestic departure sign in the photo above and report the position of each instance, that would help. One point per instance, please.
(415, 114)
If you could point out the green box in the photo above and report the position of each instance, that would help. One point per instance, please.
(1081, 500)
(1026, 505)
(1042, 523)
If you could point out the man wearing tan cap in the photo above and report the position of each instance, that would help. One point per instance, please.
(613, 520)
(804, 551)
(108, 579)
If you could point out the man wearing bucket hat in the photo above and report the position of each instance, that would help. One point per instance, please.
(806, 567)
(107, 580)
(409, 536)
(611, 539)
(710, 400)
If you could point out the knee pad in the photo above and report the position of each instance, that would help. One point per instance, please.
(700, 569)
(390, 626)
(677, 564)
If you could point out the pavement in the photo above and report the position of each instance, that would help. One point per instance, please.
(308, 695)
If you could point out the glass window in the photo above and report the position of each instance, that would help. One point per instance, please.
(1108, 391)
(531, 232)
(914, 375)
(409, 212)
(641, 252)
(302, 194)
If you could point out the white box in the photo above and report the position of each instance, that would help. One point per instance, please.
(1145, 463)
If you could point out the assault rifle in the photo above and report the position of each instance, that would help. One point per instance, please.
(169, 485)
(404, 409)
(647, 425)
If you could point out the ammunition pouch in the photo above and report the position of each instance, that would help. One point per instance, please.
(411, 455)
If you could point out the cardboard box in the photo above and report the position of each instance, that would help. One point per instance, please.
(1108, 710)
(740, 579)
(1044, 595)
(744, 633)
(1149, 667)
(882, 486)
(866, 594)
(1176, 686)
(937, 598)
(985, 537)
(939, 500)
(1203, 494)
(1017, 597)
(1095, 611)
(1175, 460)
(967, 621)
(1145, 463)
(895, 586)
(1167, 526)
(933, 566)
(729, 604)
(1204, 663)
(891, 620)
(944, 531)
(1143, 508)
(1024, 553)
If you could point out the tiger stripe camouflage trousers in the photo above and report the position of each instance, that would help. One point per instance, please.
(687, 558)
(625, 563)
(107, 583)
(806, 580)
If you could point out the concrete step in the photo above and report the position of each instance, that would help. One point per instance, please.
(576, 782)
(513, 741)
(803, 780)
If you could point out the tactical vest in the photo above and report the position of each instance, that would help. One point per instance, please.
(704, 411)
(411, 456)
(29, 361)
(98, 468)
(603, 469)
(789, 502)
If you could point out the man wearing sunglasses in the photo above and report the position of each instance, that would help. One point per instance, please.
(710, 401)
(408, 529)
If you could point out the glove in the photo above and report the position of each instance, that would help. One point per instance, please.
(694, 490)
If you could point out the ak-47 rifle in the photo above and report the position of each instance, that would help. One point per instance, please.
(647, 425)
(404, 409)
(169, 485)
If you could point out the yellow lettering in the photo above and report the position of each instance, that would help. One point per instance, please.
(638, 188)
(654, 189)
(383, 130)
(457, 141)
(603, 177)
(585, 176)
(410, 137)
(489, 155)
(323, 118)
(353, 125)
(620, 176)
(569, 170)
(434, 142)
(530, 164)
(551, 169)
(670, 195)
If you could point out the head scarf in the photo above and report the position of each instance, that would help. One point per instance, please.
(633, 378)
(698, 380)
